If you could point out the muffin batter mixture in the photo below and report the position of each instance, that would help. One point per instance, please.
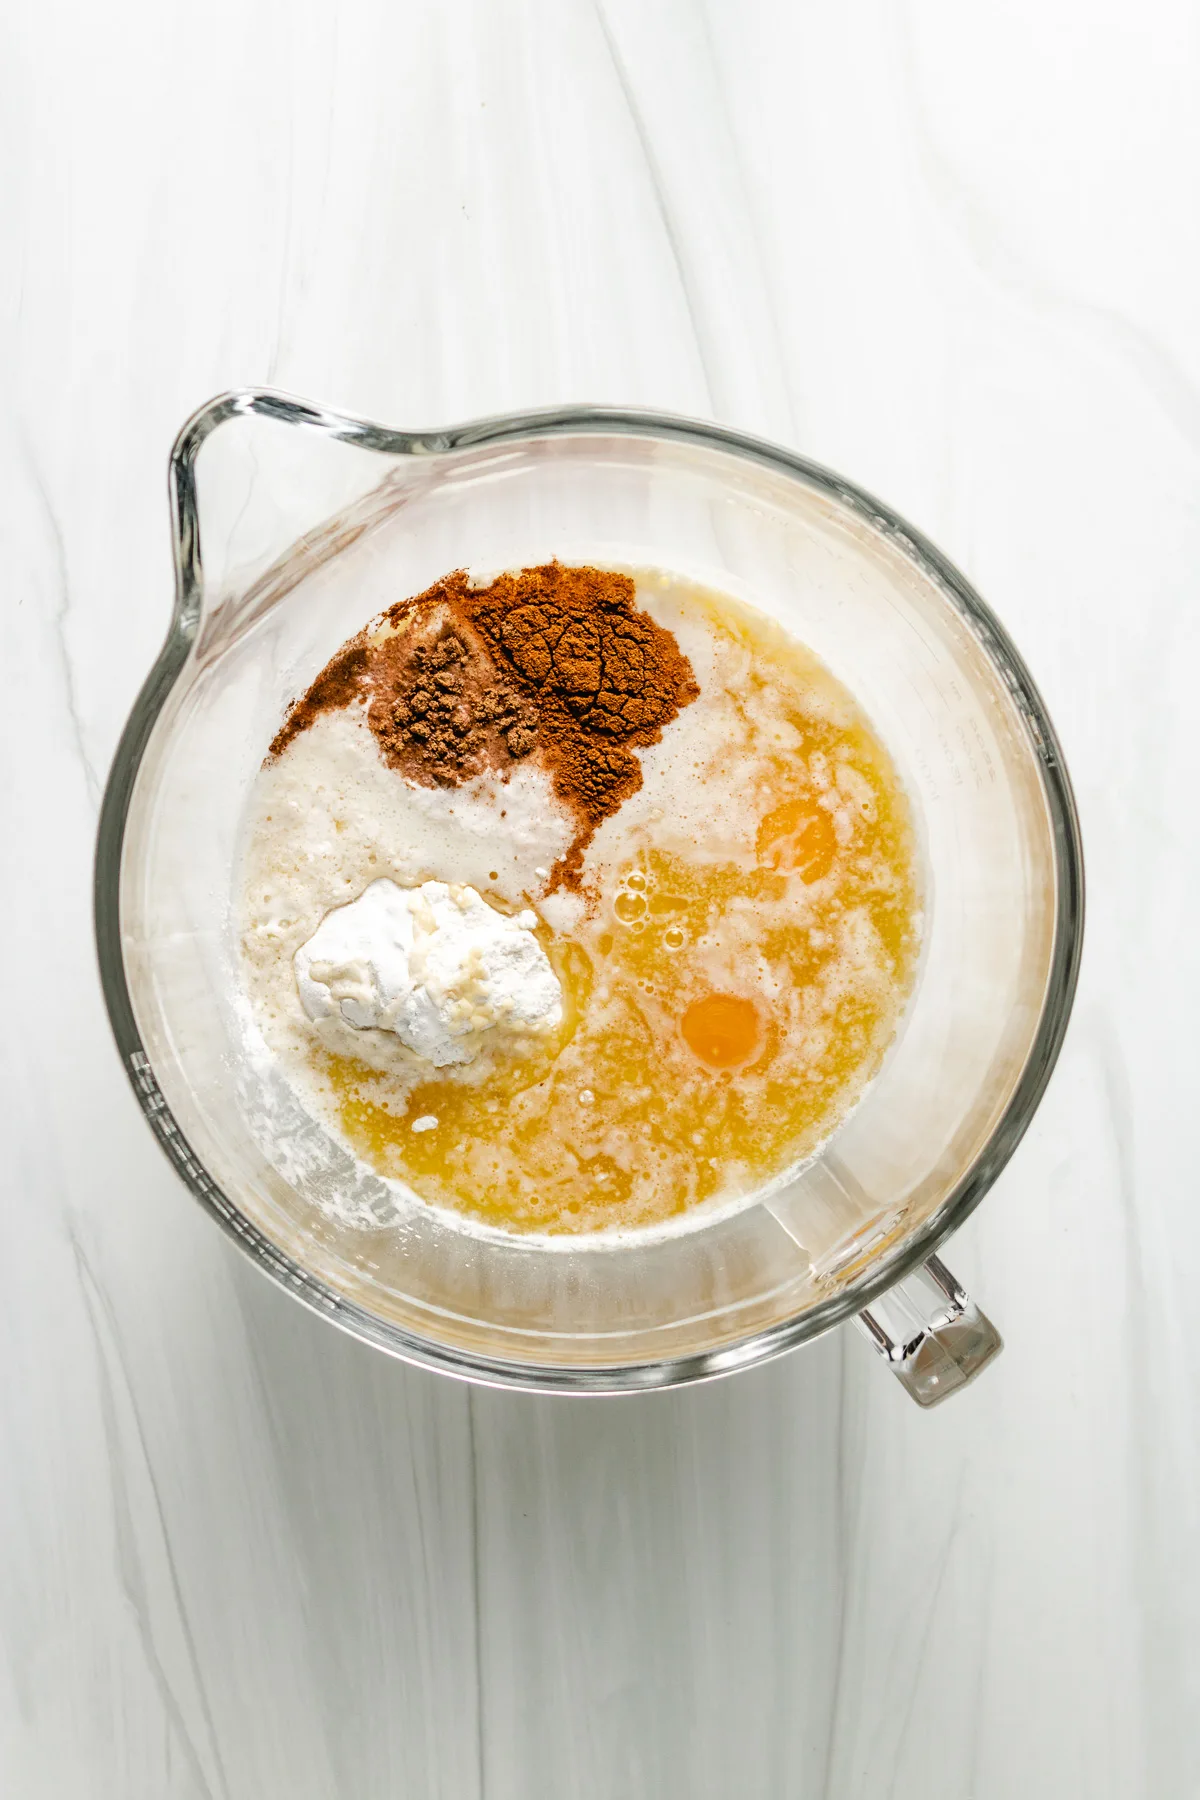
(578, 899)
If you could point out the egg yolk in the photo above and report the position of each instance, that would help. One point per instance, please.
(722, 1029)
(798, 835)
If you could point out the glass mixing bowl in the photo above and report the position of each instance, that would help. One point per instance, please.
(310, 522)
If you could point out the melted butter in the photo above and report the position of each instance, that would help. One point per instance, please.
(723, 1016)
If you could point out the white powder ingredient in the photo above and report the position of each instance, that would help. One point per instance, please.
(435, 964)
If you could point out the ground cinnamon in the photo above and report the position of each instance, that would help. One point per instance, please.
(603, 676)
(555, 659)
(438, 710)
(342, 680)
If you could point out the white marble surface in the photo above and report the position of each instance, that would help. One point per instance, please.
(952, 250)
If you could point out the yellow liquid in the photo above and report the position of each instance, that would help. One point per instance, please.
(722, 1016)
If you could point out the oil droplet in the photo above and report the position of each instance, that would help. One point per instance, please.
(635, 880)
(629, 907)
(674, 938)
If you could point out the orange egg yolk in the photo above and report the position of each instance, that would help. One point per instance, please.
(798, 835)
(722, 1029)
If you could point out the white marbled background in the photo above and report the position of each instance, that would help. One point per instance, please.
(951, 248)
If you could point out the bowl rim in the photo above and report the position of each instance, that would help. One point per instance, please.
(317, 1295)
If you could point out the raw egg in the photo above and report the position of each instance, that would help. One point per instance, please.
(722, 1029)
(798, 835)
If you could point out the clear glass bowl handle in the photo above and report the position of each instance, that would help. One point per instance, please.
(931, 1333)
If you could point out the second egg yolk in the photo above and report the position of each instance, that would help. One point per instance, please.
(798, 835)
(722, 1029)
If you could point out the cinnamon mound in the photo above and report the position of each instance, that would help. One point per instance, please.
(438, 711)
(554, 659)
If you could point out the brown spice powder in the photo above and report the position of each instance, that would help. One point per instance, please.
(438, 711)
(555, 659)
(605, 679)
(342, 680)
